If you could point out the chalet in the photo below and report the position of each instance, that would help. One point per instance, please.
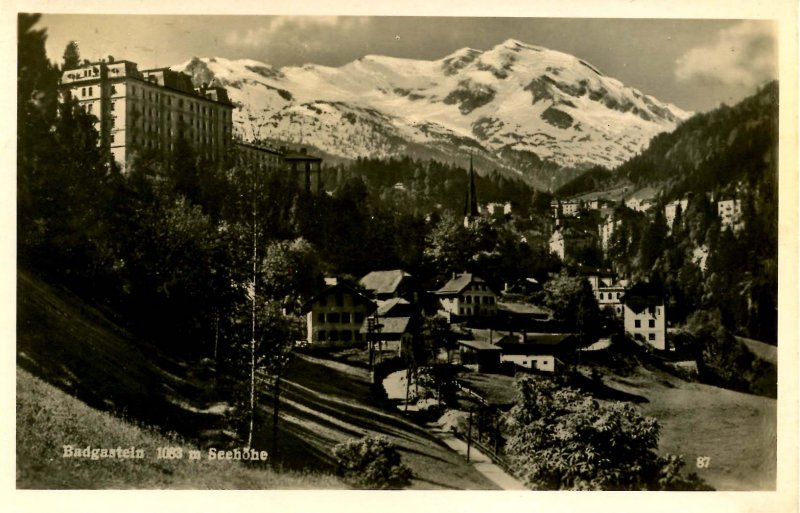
(537, 351)
(384, 285)
(645, 315)
(467, 296)
(335, 316)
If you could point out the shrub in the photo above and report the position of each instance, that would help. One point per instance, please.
(371, 462)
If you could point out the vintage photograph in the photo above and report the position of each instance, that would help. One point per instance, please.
(396, 253)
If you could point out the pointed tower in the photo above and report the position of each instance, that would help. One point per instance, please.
(471, 205)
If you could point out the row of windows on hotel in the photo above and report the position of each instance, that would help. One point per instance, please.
(193, 106)
(610, 295)
(340, 318)
(651, 323)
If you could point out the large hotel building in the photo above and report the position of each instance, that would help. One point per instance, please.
(149, 110)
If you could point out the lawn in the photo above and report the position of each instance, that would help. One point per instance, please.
(737, 431)
(47, 419)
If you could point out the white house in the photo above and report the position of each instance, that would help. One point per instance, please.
(467, 295)
(335, 316)
(729, 212)
(645, 315)
(536, 351)
(671, 210)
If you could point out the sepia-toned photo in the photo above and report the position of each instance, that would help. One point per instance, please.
(397, 253)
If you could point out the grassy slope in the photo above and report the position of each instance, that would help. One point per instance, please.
(75, 347)
(737, 431)
(326, 402)
(47, 418)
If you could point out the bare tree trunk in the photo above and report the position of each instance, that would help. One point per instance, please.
(253, 329)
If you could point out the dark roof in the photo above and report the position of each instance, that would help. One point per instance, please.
(587, 270)
(522, 309)
(334, 288)
(536, 343)
(643, 295)
(459, 283)
(479, 345)
(383, 282)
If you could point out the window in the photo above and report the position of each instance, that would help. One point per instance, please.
(321, 335)
(345, 318)
(89, 108)
(469, 299)
(333, 317)
(602, 296)
(651, 336)
(90, 91)
(651, 323)
(347, 335)
(460, 311)
(339, 299)
(112, 138)
(637, 323)
(333, 335)
(359, 317)
(321, 318)
(83, 91)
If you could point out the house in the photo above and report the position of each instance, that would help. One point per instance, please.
(609, 297)
(566, 208)
(672, 209)
(537, 351)
(641, 200)
(384, 285)
(606, 231)
(730, 212)
(335, 316)
(497, 211)
(486, 355)
(467, 296)
(645, 315)
(567, 243)
(391, 325)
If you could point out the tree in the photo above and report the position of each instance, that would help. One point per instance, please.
(72, 56)
(561, 439)
(372, 463)
(572, 301)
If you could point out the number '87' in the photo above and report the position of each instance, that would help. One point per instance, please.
(703, 461)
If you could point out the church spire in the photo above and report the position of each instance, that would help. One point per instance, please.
(471, 205)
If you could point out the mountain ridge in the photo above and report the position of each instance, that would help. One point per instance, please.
(509, 103)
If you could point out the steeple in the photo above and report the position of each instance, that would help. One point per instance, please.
(471, 205)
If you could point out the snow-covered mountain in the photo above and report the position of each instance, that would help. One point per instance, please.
(519, 107)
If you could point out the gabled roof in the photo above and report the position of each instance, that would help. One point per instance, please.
(383, 282)
(479, 345)
(459, 283)
(332, 289)
(391, 325)
(400, 306)
(536, 343)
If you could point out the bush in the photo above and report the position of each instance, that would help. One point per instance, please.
(372, 463)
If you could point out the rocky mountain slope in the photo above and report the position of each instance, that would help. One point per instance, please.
(518, 107)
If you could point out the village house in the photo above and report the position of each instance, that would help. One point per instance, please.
(537, 351)
(466, 296)
(645, 315)
(729, 212)
(391, 325)
(481, 353)
(566, 208)
(671, 210)
(335, 316)
(568, 242)
(384, 285)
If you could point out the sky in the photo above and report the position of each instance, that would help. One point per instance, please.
(694, 64)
